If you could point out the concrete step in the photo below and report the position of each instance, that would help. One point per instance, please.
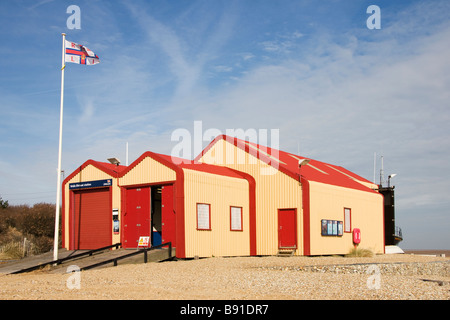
(286, 252)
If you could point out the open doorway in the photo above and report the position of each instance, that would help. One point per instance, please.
(163, 215)
(156, 215)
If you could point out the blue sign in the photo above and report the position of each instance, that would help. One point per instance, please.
(90, 184)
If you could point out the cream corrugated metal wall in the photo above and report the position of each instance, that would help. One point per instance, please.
(148, 171)
(90, 173)
(328, 202)
(220, 192)
(268, 200)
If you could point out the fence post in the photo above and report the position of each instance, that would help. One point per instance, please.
(24, 251)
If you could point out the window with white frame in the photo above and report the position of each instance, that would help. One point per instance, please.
(203, 216)
(236, 218)
(347, 220)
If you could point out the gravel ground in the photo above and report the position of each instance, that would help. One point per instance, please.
(382, 277)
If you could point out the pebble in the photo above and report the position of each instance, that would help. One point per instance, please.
(430, 268)
(401, 277)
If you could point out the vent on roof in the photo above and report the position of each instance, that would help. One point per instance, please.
(303, 162)
(114, 161)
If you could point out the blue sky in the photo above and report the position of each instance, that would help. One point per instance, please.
(336, 90)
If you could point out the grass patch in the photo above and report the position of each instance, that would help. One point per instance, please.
(359, 252)
(12, 251)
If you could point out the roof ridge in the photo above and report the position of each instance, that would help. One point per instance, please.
(287, 163)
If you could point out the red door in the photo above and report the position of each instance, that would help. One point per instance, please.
(91, 219)
(287, 228)
(137, 216)
(168, 222)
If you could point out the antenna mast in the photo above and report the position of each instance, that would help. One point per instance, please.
(381, 173)
(374, 167)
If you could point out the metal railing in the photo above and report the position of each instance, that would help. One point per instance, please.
(398, 232)
(70, 257)
(140, 251)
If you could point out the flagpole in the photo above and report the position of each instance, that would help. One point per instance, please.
(58, 185)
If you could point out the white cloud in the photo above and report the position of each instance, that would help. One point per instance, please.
(284, 43)
(87, 111)
(186, 62)
(40, 3)
(223, 69)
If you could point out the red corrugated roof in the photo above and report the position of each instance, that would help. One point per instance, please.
(284, 161)
(288, 163)
(118, 171)
(203, 167)
(110, 166)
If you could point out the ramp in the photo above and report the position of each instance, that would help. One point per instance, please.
(156, 253)
(14, 266)
(88, 259)
(119, 257)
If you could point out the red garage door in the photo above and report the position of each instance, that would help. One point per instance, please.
(92, 219)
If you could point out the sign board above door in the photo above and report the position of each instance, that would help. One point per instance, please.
(90, 184)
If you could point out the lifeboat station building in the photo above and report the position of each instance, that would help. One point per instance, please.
(236, 198)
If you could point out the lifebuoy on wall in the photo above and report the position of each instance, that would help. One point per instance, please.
(356, 236)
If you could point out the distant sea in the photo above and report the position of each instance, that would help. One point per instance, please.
(429, 251)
